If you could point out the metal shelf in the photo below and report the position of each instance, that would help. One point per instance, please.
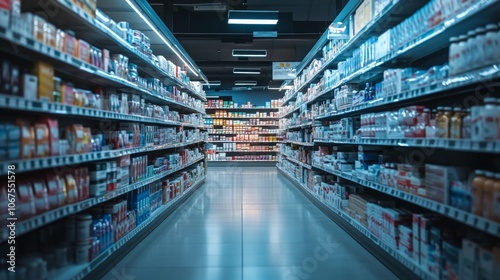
(242, 151)
(242, 161)
(82, 71)
(244, 109)
(258, 142)
(96, 33)
(467, 218)
(435, 39)
(410, 264)
(9, 102)
(239, 118)
(465, 145)
(305, 165)
(300, 143)
(25, 165)
(487, 74)
(46, 218)
(303, 125)
(77, 272)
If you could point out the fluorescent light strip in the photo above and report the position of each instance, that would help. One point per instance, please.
(245, 83)
(250, 71)
(250, 53)
(265, 34)
(146, 20)
(252, 21)
(213, 83)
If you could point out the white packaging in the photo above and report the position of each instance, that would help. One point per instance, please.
(469, 259)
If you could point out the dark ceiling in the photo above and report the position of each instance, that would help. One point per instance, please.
(209, 40)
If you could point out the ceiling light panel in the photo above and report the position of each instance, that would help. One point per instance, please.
(245, 83)
(252, 17)
(249, 71)
(249, 53)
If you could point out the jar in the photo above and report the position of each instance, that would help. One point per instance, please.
(478, 49)
(61, 256)
(83, 226)
(82, 251)
(456, 124)
(491, 45)
(489, 115)
(462, 55)
(469, 60)
(466, 124)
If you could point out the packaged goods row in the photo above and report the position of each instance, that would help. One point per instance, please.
(243, 147)
(224, 122)
(304, 135)
(243, 130)
(35, 27)
(299, 154)
(243, 138)
(230, 114)
(461, 187)
(24, 139)
(65, 186)
(441, 249)
(228, 104)
(42, 84)
(82, 238)
(225, 157)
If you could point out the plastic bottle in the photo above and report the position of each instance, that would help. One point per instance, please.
(478, 50)
(456, 124)
(466, 124)
(491, 45)
(453, 55)
(488, 194)
(462, 55)
(443, 122)
(490, 115)
(477, 191)
(469, 59)
(495, 200)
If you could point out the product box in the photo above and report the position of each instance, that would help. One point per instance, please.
(489, 263)
(469, 259)
(55, 194)
(71, 188)
(53, 127)
(4, 13)
(25, 207)
(67, 94)
(45, 75)
(74, 135)
(15, 80)
(363, 15)
(416, 236)
(41, 196)
(49, 34)
(29, 86)
(83, 51)
(42, 140)
(451, 261)
(27, 139)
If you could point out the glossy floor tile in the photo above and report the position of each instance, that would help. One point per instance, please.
(248, 224)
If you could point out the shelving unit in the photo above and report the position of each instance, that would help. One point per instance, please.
(234, 127)
(141, 117)
(351, 120)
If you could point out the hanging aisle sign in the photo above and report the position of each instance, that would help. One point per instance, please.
(284, 70)
(338, 30)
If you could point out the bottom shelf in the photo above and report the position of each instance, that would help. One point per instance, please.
(77, 272)
(396, 255)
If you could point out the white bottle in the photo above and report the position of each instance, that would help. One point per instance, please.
(453, 55)
(462, 54)
(469, 59)
(490, 119)
(479, 42)
(491, 45)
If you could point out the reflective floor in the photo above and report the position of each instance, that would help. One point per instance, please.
(248, 223)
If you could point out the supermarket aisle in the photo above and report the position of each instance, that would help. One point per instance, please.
(249, 224)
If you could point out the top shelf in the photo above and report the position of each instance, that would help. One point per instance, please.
(69, 16)
(392, 15)
(243, 109)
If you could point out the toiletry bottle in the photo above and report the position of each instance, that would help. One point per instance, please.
(491, 45)
(490, 115)
(488, 194)
(456, 124)
(495, 206)
(477, 192)
(453, 55)
(478, 51)
(443, 122)
(466, 124)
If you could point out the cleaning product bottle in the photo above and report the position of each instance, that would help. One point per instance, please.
(477, 192)
(488, 194)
